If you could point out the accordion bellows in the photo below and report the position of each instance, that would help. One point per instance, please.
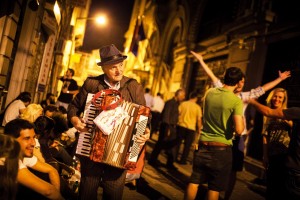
(118, 149)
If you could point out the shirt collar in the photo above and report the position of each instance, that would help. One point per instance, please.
(115, 87)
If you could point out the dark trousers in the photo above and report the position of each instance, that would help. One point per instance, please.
(276, 177)
(188, 136)
(93, 175)
(292, 184)
(165, 142)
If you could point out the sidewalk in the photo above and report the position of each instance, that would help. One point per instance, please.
(161, 183)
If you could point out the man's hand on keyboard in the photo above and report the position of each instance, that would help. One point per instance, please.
(79, 124)
(143, 138)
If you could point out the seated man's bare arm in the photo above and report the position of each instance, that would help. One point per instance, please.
(51, 171)
(28, 179)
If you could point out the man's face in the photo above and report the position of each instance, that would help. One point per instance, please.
(114, 72)
(69, 74)
(240, 86)
(27, 142)
(181, 96)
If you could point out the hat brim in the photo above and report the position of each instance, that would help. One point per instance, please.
(114, 61)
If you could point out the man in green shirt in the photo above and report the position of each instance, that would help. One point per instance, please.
(222, 116)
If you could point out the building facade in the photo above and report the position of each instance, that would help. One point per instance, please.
(258, 36)
(37, 41)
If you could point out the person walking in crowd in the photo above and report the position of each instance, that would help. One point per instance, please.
(239, 142)
(9, 159)
(292, 161)
(148, 98)
(69, 89)
(276, 140)
(156, 110)
(189, 125)
(35, 187)
(50, 100)
(93, 174)
(167, 138)
(222, 116)
(14, 109)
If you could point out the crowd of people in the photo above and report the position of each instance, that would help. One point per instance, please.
(36, 162)
(216, 134)
(38, 159)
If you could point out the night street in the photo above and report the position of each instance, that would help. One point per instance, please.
(81, 77)
(161, 183)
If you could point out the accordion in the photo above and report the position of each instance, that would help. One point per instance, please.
(118, 149)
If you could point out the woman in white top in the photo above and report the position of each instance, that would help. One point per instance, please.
(16, 107)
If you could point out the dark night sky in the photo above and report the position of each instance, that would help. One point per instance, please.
(118, 13)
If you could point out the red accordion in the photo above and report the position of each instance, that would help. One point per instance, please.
(119, 148)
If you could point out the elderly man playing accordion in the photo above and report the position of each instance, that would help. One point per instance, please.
(95, 174)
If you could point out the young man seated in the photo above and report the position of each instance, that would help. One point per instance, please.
(24, 133)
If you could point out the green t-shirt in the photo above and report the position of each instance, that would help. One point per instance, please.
(220, 105)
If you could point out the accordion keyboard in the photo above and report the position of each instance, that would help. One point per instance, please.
(84, 145)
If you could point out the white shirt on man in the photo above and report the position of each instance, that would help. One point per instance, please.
(158, 104)
(149, 100)
(27, 162)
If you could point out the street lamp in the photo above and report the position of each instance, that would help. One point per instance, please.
(101, 20)
(80, 23)
(79, 30)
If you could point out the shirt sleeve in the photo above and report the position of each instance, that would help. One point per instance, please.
(238, 108)
(252, 94)
(30, 162)
(217, 84)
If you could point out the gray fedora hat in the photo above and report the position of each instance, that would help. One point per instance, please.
(110, 55)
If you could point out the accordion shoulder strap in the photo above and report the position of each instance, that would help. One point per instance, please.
(104, 93)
